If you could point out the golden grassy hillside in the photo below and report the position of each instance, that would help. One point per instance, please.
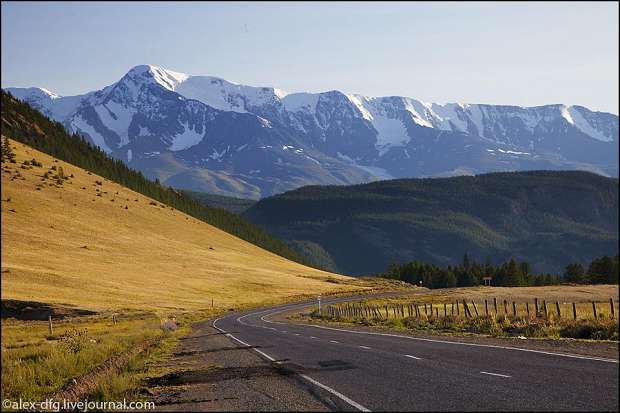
(103, 246)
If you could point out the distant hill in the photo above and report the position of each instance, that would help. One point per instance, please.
(547, 218)
(29, 126)
(229, 203)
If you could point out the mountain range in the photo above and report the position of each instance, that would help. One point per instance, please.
(206, 134)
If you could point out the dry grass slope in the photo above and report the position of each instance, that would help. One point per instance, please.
(104, 247)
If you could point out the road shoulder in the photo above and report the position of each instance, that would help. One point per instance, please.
(210, 372)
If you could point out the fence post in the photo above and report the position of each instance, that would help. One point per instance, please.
(545, 307)
(466, 309)
(486, 307)
(475, 309)
(574, 311)
(505, 307)
(495, 304)
(51, 328)
(445, 309)
(514, 309)
(211, 302)
(594, 309)
(527, 309)
(536, 306)
(458, 312)
(436, 312)
(557, 307)
(612, 311)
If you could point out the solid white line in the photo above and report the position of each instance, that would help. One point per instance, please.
(550, 353)
(364, 347)
(468, 344)
(335, 393)
(495, 374)
(412, 357)
(311, 380)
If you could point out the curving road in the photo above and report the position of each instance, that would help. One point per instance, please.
(369, 371)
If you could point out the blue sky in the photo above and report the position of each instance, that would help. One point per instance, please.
(500, 53)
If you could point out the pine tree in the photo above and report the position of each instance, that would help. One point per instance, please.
(575, 273)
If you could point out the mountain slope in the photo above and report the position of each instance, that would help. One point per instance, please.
(207, 134)
(546, 218)
(92, 243)
(31, 127)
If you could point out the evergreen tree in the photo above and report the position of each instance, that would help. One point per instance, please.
(575, 273)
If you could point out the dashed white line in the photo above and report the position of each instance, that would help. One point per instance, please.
(313, 337)
(310, 379)
(364, 347)
(495, 374)
(334, 341)
(412, 357)
(335, 393)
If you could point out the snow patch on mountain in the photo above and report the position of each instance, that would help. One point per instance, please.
(117, 118)
(583, 125)
(187, 139)
(80, 125)
(301, 102)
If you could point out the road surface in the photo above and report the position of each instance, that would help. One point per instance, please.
(371, 371)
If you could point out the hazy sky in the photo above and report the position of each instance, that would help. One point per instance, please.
(504, 53)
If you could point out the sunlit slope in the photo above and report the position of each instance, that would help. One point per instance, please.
(106, 247)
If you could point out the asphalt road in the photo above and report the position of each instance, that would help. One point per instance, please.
(380, 371)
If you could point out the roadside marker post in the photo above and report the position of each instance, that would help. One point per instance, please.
(319, 298)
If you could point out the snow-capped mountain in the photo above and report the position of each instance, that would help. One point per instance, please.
(206, 133)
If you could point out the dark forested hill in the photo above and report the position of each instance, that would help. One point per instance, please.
(546, 218)
(229, 203)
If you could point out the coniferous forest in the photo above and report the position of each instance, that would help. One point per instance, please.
(603, 270)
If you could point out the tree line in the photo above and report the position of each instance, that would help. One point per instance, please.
(513, 273)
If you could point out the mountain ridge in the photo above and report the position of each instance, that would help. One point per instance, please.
(266, 140)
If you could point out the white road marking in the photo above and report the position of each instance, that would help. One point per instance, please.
(334, 341)
(550, 353)
(313, 337)
(335, 393)
(495, 374)
(412, 357)
(310, 379)
(297, 334)
(364, 347)
(458, 343)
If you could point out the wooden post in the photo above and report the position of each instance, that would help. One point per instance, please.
(212, 303)
(536, 306)
(436, 312)
(527, 309)
(458, 312)
(475, 309)
(51, 328)
(594, 309)
(495, 304)
(445, 309)
(452, 308)
(486, 308)
(425, 309)
(612, 311)
(505, 307)
(557, 307)
(545, 307)
(466, 309)
(574, 311)
(514, 309)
